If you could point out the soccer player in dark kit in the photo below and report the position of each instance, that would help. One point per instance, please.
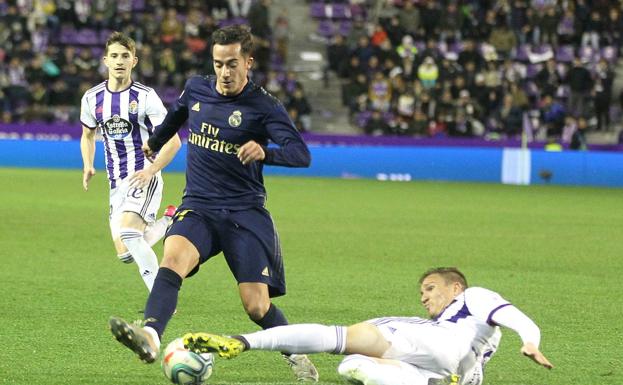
(231, 121)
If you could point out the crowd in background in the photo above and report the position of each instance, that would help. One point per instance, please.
(493, 69)
(51, 51)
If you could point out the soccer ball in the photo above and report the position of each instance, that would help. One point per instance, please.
(184, 367)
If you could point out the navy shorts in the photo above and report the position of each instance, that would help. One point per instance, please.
(248, 239)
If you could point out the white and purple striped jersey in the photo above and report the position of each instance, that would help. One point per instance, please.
(126, 119)
(469, 315)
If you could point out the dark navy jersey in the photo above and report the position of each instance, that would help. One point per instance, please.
(218, 126)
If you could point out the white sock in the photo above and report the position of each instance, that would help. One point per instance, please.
(142, 253)
(125, 257)
(373, 372)
(154, 232)
(154, 334)
(300, 338)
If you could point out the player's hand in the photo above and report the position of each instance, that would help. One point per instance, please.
(251, 151)
(87, 174)
(531, 351)
(147, 151)
(141, 178)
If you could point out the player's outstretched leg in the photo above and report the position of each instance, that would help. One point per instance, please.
(136, 338)
(363, 370)
(211, 343)
(303, 368)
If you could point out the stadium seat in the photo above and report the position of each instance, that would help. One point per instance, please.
(565, 53)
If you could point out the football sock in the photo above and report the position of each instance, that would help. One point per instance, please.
(154, 232)
(298, 338)
(273, 317)
(162, 300)
(142, 253)
(126, 257)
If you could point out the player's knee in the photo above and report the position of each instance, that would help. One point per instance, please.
(353, 361)
(256, 309)
(365, 338)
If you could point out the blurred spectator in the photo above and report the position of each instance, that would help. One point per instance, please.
(281, 34)
(509, 117)
(377, 125)
(602, 92)
(171, 28)
(380, 92)
(239, 8)
(553, 113)
(298, 102)
(581, 83)
(503, 40)
(578, 140)
(409, 18)
(428, 73)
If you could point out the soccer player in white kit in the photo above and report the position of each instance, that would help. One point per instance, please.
(126, 112)
(452, 347)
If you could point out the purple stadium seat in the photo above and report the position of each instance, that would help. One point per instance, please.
(362, 118)
(345, 27)
(533, 70)
(341, 11)
(138, 5)
(87, 36)
(357, 11)
(67, 35)
(565, 53)
(587, 54)
(317, 10)
(103, 36)
(325, 28)
(521, 52)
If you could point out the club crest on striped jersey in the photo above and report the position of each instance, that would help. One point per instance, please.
(235, 119)
(117, 127)
(133, 107)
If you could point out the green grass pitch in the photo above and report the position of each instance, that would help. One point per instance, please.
(353, 249)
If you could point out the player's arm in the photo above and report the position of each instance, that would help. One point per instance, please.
(511, 317)
(156, 113)
(174, 119)
(87, 149)
(165, 156)
(292, 150)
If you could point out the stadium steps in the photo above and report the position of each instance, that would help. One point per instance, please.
(328, 114)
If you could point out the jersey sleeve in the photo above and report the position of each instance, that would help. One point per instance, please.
(154, 108)
(292, 150)
(483, 303)
(86, 113)
(172, 122)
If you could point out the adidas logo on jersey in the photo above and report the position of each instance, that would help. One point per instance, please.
(196, 107)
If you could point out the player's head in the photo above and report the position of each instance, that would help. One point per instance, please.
(120, 56)
(231, 53)
(439, 286)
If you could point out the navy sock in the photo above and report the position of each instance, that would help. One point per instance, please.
(273, 317)
(162, 300)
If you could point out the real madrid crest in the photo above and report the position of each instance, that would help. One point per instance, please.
(235, 119)
(133, 107)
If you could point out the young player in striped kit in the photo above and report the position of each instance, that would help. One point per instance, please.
(451, 348)
(126, 112)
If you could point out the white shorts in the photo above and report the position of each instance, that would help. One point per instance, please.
(143, 201)
(422, 343)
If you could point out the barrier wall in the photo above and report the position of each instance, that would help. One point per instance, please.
(479, 164)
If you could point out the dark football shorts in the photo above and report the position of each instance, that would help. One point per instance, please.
(247, 238)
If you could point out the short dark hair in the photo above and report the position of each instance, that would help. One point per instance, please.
(121, 38)
(449, 274)
(237, 33)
